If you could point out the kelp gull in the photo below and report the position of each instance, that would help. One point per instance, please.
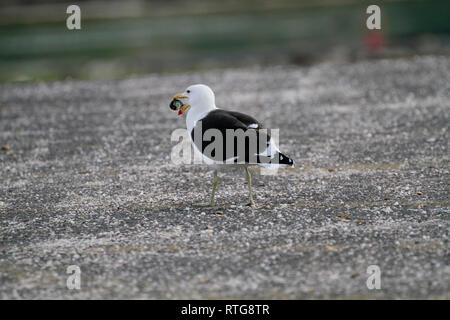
(211, 131)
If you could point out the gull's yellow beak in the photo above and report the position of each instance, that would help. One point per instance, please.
(183, 109)
(178, 98)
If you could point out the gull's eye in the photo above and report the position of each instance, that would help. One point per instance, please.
(188, 91)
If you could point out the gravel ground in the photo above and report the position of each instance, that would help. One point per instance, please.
(86, 179)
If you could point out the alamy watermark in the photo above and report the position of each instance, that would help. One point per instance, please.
(73, 22)
(229, 146)
(374, 20)
(74, 280)
(374, 280)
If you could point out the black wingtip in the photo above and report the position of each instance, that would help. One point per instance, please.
(283, 159)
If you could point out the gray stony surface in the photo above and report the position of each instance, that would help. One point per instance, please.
(88, 181)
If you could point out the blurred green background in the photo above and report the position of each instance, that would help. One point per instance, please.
(128, 38)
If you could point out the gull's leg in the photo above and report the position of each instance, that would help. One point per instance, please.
(250, 193)
(215, 180)
(211, 201)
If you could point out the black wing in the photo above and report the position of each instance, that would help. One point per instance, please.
(241, 149)
(247, 120)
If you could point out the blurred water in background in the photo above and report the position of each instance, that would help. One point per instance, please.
(128, 38)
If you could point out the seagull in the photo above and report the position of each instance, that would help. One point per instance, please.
(226, 138)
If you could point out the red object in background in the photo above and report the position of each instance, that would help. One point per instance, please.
(373, 40)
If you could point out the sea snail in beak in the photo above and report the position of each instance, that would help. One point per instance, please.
(176, 104)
